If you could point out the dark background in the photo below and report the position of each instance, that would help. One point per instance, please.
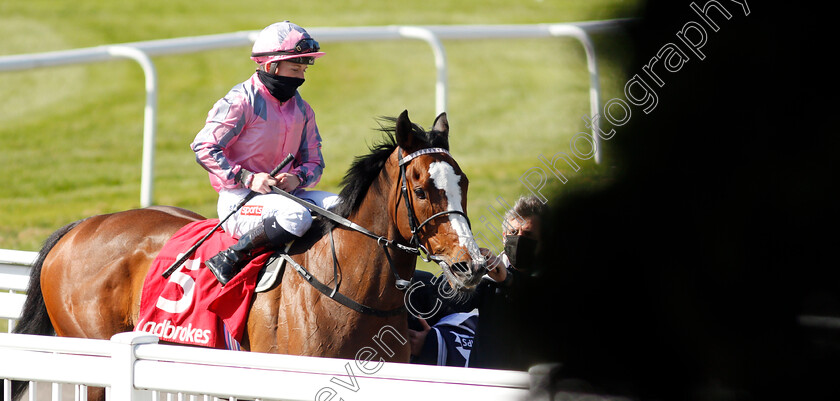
(685, 278)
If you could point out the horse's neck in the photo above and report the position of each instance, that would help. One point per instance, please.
(364, 264)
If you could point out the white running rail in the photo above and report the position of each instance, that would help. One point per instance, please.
(132, 366)
(141, 52)
(14, 279)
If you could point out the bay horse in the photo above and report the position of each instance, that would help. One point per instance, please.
(87, 279)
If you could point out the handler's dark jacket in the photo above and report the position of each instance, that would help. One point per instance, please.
(501, 341)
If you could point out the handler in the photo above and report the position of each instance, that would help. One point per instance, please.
(499, 343)
(248, 133)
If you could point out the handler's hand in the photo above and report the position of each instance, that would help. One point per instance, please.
(418, 338)
(287, 182)
(496, 268)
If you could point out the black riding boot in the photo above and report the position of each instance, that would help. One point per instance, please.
(226, 264)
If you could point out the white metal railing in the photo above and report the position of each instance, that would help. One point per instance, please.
(141, 52)
(14, 279)
(132, 366)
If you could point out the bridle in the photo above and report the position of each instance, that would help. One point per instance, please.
(413, 247)
(414, 242)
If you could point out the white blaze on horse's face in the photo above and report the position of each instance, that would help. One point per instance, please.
(445, 179)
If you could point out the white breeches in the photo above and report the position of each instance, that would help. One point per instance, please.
(293, 217)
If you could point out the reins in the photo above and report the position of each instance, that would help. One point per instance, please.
(414, 243)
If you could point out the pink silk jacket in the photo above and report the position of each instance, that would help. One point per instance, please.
(249, 129)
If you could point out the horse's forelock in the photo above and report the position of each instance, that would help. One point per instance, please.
(437, 139)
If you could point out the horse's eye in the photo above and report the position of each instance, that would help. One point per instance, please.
(420, 193)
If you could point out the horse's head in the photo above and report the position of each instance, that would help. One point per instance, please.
(430, 203)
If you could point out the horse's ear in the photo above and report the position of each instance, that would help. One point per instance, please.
(440, 131)
(405, 133)
(442, 124)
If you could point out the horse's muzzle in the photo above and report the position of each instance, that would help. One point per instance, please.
(464, 275)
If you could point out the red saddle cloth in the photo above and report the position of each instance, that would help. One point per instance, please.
(191, 307)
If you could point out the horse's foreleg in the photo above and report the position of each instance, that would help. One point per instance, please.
(261, 335)
(96, 394)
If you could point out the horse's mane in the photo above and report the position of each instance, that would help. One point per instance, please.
(363, 172)
(366, 168)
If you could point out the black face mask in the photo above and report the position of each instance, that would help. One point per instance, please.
(521, 251)
(282, 88)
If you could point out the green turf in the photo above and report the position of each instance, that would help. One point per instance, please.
(71, 137)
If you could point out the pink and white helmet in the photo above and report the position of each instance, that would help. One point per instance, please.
(285, 41)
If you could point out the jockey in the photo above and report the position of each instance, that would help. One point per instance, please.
(248, 133)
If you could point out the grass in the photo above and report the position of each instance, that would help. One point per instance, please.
(71, 136)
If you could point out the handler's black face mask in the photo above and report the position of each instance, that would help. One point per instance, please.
(521, 251)
(282, 88)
